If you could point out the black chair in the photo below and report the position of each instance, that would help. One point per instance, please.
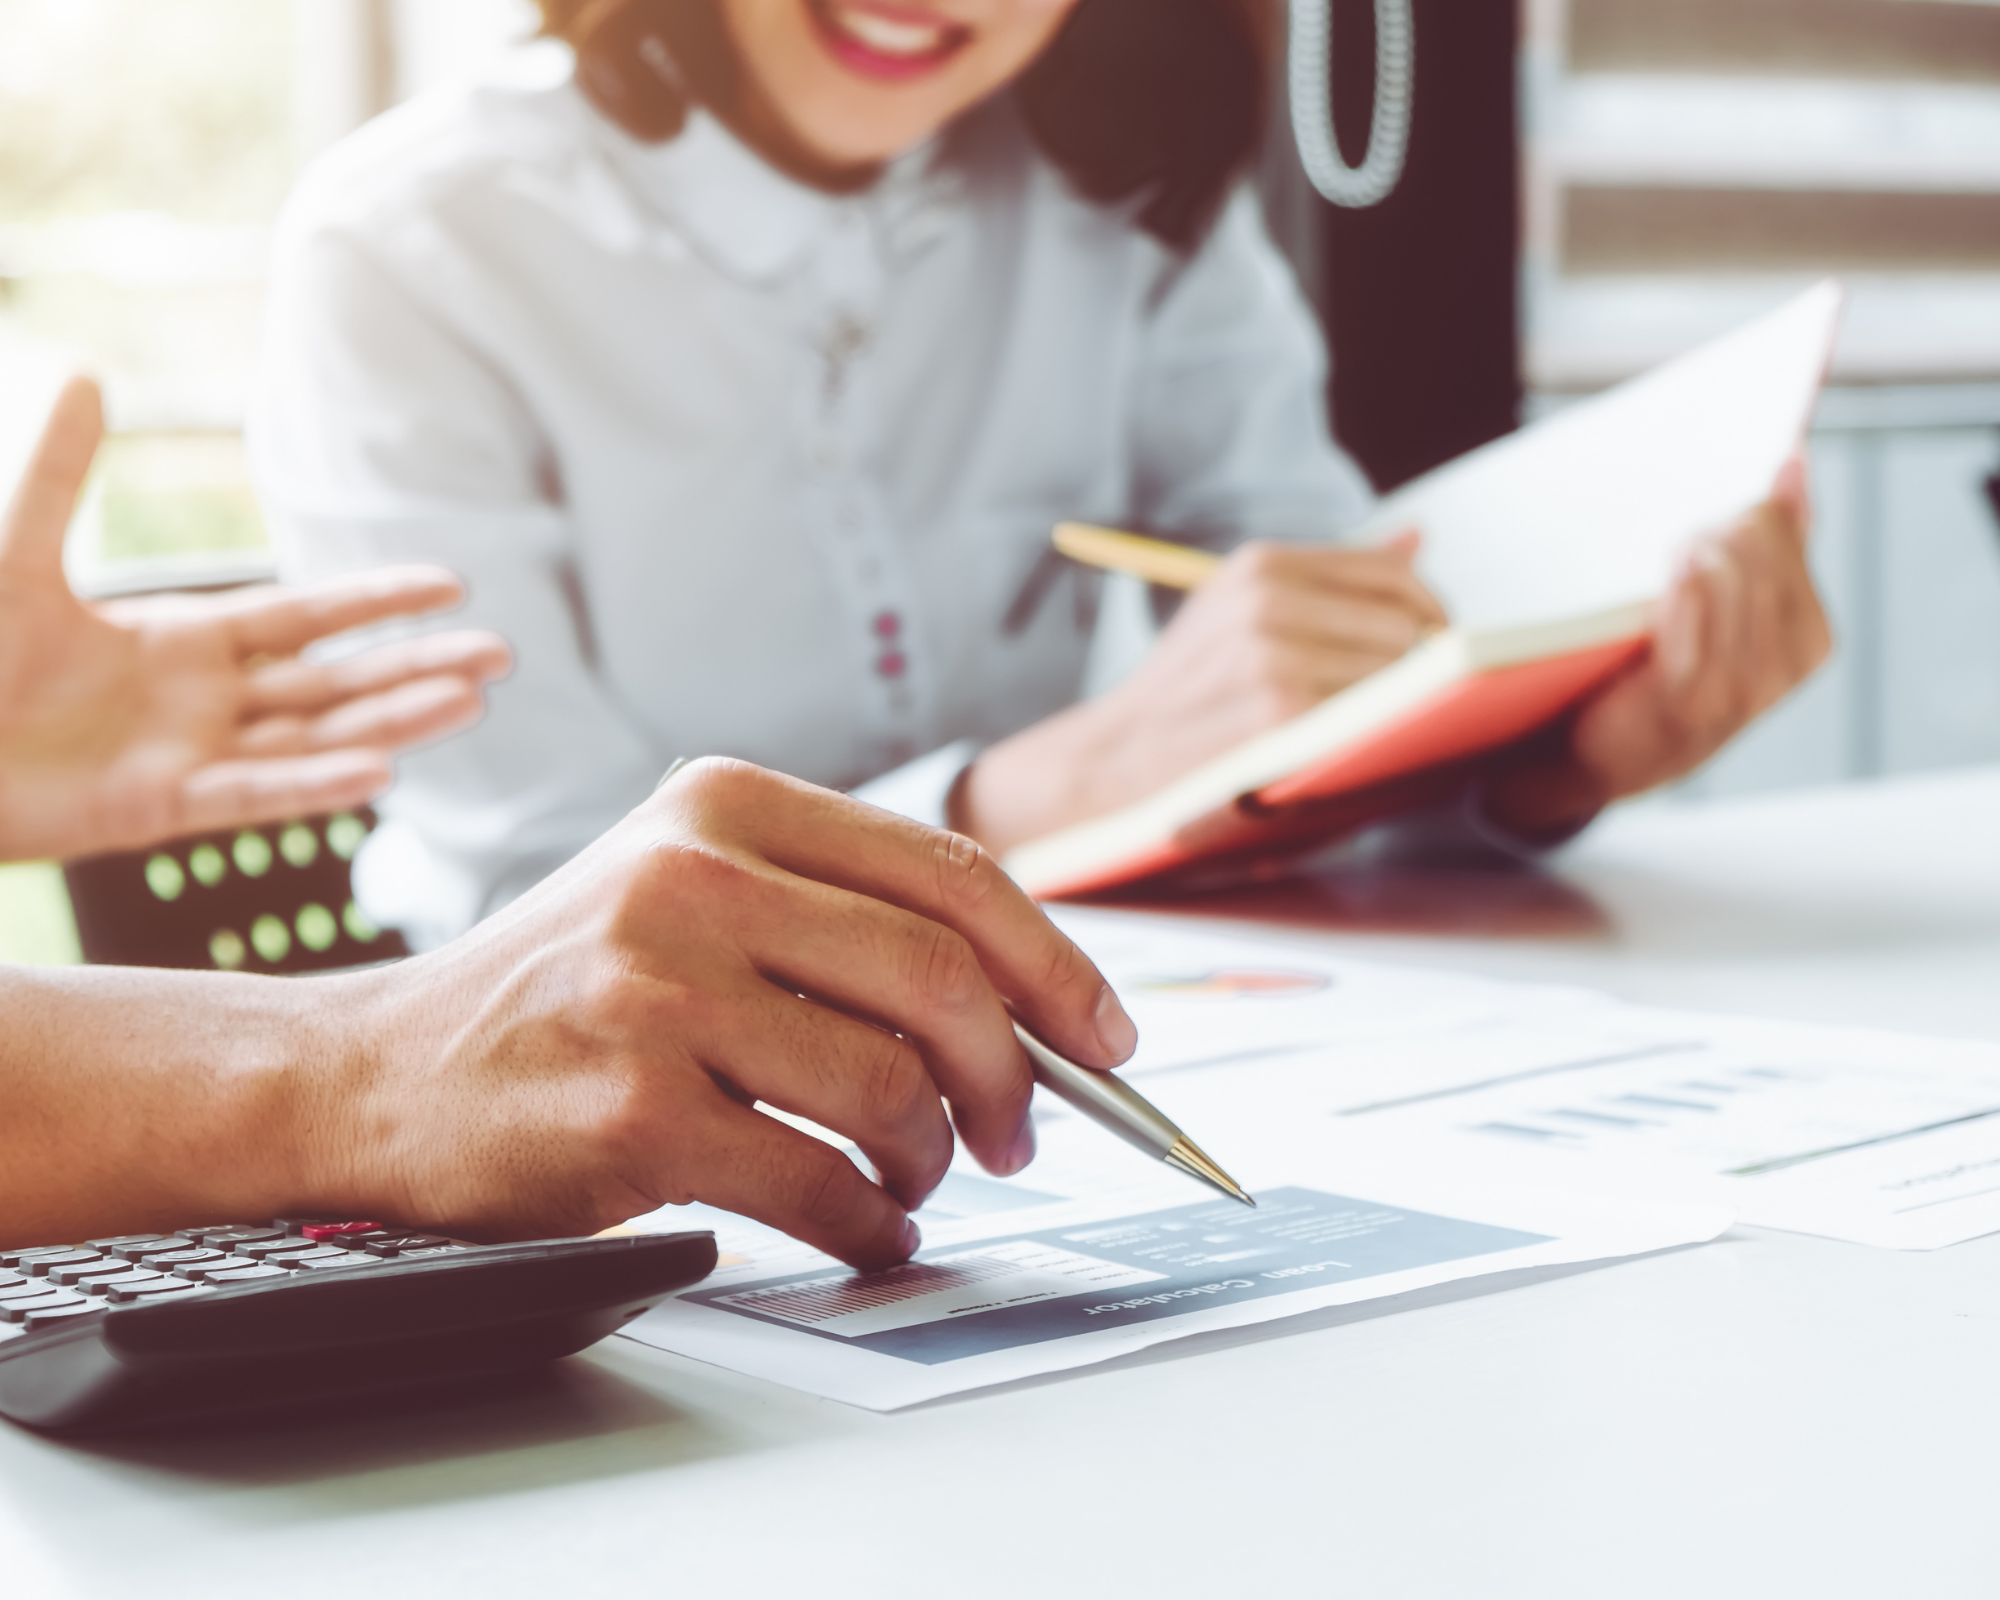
(273, 899)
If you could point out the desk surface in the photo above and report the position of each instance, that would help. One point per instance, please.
(1769, 1415)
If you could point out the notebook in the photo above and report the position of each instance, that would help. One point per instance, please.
(1548, 550)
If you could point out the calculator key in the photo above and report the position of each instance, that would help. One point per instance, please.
(7, 1277)
(132, 1274)
(43, 1317)
(276, 1249)
(247, 1274)
(329, 1261)
(42, 1266)
(18, 1310)
(26, 1289)
(168, 1260)
(160, 1288)
(150, 1247)
(397, 1243)
(125, 1241)
(18, 1259)
(205, 1273)
(329, 1231)
(439, 1250)
(230, 1238)
(104, 1267)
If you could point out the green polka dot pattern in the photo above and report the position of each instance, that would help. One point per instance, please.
(317, 928)
(253, 854)
(165, 878)
(270, 938)
(299, 845)
(208, 865)
(344, 834)
(273, 899)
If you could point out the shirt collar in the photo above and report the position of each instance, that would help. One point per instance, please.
(754, 223)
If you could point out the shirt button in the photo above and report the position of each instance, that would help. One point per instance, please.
(887, 625)
(892, 663)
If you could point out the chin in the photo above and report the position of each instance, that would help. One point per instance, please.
(848, 138)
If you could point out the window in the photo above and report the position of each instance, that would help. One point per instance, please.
(146, 149)
(1693, 161)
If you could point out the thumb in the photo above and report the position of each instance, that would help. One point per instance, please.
(1792, 495)
(1403, 545)
(31, 538)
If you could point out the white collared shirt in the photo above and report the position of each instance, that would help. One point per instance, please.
(744, 468)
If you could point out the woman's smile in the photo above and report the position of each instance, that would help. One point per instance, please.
(834, 88)
(890, 42)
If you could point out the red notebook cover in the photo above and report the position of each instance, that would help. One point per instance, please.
(1422, 757)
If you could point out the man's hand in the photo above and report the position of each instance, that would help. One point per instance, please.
(1740, 629)
(599, 1049)
(1278, 629)
(126, 723)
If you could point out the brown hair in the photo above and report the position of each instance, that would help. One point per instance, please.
(1160, 103)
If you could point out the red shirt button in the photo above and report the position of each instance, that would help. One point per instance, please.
(892, 664)
(887, 625)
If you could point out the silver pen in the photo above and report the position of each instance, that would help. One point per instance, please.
(1112, 1103)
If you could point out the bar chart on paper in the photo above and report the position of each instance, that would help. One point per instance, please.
(1820, 1130)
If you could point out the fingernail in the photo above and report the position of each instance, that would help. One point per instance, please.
(1114, 1028)
(911, 1240)
(1022, 1150)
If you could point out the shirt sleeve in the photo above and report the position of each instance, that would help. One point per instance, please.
(380, 435)
(1231, 438)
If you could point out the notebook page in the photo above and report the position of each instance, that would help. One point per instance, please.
(1588, 510)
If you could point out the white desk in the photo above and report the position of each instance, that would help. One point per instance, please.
(1767, 1416)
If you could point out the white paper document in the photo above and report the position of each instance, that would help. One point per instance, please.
(1206, 999)
(1052, 1287)
(1401, 1129)
(1880, 1138)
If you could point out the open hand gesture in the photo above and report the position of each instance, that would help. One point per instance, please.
(137, 720)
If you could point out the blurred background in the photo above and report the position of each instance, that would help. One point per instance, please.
(1592, 185)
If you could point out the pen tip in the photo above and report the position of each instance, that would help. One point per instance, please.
(1191, 1159)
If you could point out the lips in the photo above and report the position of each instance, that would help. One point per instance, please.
(889, 42)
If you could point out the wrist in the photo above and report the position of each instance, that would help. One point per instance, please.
(331, 1124)
(288, 1097)
(144, 1100)
(1040, 780)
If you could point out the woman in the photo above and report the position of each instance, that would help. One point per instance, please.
(743, 363)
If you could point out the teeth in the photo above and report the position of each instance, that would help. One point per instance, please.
(889, 35)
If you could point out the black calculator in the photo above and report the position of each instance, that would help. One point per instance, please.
(120, 1334)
